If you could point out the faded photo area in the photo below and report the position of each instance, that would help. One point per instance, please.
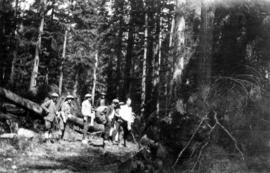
(154, 86)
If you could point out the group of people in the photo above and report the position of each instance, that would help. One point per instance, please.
(117, 118)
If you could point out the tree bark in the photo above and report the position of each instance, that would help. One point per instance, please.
(14, 53)
(62, 62)
(158, 64)
(180, 41)
(94, 78)
(206, 42)
(128, 57)
(33, 82)
(76, 84)
(143, 94)
(119, 47)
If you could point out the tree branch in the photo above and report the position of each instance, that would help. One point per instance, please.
(230, 135)
(204, 146)
(190, 140)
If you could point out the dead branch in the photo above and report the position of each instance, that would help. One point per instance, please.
(190, 140)
(230, 135)
(205, 145)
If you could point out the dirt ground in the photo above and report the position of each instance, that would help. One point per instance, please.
(35, 155)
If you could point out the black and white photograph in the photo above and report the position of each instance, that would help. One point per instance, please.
(135, 86)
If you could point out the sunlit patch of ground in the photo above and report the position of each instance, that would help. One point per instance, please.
(22, 155)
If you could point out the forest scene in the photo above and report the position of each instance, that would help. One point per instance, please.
(193, 75)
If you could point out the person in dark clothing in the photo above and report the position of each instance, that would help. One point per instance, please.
(110, 114)
(101, 101)
(50, 108)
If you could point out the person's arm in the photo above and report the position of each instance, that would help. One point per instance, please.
(45, 105)
(65, 108)
(84, 109)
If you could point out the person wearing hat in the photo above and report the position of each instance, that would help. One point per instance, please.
(110, 114)
(126, 116)
(101, 102)
(49, 106)
(66, 112)
(88, 116)
(101, 109)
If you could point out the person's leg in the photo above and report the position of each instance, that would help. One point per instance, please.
(126, 132)
(92, 118)
(107, 130)
(48, 126)
(85, 127)
(117, 131)
(64, 119)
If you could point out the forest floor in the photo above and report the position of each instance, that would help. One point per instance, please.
(33, 155)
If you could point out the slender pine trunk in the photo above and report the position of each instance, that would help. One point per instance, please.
(143, 84)
(33, 81)
(158, 68)
(94, 78)
(76, 83)
(62, 62)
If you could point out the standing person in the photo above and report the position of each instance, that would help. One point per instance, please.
(102, 100)
(127, 116)
(66, 112)
(50, 108)
(101, 109)
(111, 110)
(88, 116)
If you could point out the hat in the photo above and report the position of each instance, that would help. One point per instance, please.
(54, 95)
(70, 97)
(88, 95)
(115, 101)
(121, 103)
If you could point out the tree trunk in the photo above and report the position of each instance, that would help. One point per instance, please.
(110, 79)
(119, 48)
(76, 83)
(180, 41)
(14, 53)
(128, 57)
(33, 82)
(206, 41)
(158, 64)
(94, 78)
(170, 64)
(144, 59)
(62, 62)
(172, 32)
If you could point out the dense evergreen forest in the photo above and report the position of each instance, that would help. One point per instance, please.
(197, 71)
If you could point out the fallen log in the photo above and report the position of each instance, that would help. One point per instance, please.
(20, 101)
(79, 121)
(30, 105)
(8, 116)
